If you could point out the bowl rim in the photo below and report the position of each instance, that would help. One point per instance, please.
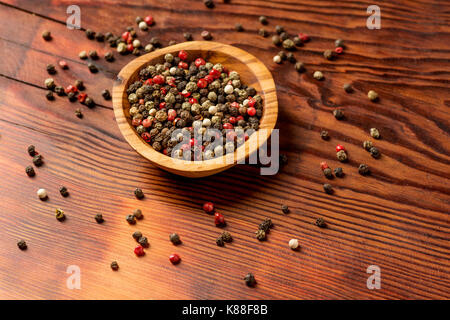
(204, 167)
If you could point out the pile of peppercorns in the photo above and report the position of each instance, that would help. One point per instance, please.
(192, 96)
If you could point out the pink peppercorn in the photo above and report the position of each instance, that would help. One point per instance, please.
(251, 102)
(251, 111)
(139, 251)
(202, 83)
(146, 136)
(304, 37)
(174, 258)
(182, 55)
(199, 62)
(323, 165)
(214, 73)
(339, 50)
(149, 20)
(339, 147)
(209, 78)
(219, 220)
(158, 79)
(227, 126)
(182, 65)
(208, 207)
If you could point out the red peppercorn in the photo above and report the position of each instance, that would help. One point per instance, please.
(219, 220)
(139, 251)
(199, 62)
(193, 100)
(182, 65)
(251, 111)
(232, 120)
(185, 93)
(158, 79)
(63, 64)
(323, 165)
(174, 258)
(235, 105)
(251, 102)
(227, 126)
(82, 97)
(339, 50)
(125, 35)
(239, 118)
(171, 114)
(149, 82)
(182, 55)
(71, 88)
(162, 105)
(136, 122)
(339, 147)
(214, 73)
(208, 207)
(165, 152)
(130, 47)
(304, 37)
(163, 91)
(171, 82)
(202, 83)
(146, 136)
(209, 78)
(147, 123)
(149, 20)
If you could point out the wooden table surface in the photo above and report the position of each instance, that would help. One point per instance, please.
(397, 218)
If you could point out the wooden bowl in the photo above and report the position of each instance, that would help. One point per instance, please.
(253, 73)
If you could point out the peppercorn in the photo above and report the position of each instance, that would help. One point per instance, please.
(99, 37)
(300, 67)
(22, 245)
(339, 43)
(114, 265)
(276, 40)
(37, 160)
(175, 238)
(338, 172)
(220, 242)
(143, 25)
(31, 150)
(324, 135)
(136, 235)
(363, 169)
(99, 218)
(208, 207)
(47, 35)
(60, 91)
(209, 3)
(297, 41)
(122, 48)
(106, 95)
(288, 44)
(338, 114)
(261, 235)
(318, 75)
(138, 214)
(367, 145)
(90, 34)
(250, 280)
(285, 208)
(188, 36)
(219, 220)
(50, 83)
(226, 236)
(293, 244)
(348, 88)
(282, 55)
(374, 152)
(60, 216)
(341, 155)
(79, 113)
(372, 95)
(83, 55)
(320, 222)
(30, 171)
(239, 27)
(63, 191)
(51, 69)
(79, 84)
(139, 193)
(284, 36)
(139, 251)
(328, 188)
(328, 54)
(263, 20)
(290, 57)
(266, 225)
(72, 97)
(92, 68)
(375, 133)
(174, 258)
(49, 95)
(263, 32)
(63, 64)
(206, 35)
(328, 173)
(279, 29)
(131, 219)
(143, 241)
(109, 56)
(277, 59)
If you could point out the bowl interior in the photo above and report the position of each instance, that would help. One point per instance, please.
(252, 72)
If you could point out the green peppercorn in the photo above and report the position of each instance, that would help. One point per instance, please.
(139, 193)
(50, 84)
(239, 27)
(137, 235)
(338, 114)
(348, 88)
(341, 155)
(22, 245)
(284, 209)
(138, 214)
(99, 218)
(375, 133)
(131, 219)
(363, 169)
(92, 68)
(328, 173)
(60, 216)
(288, 44)
(328, 54)
(30, 171)
(220, 242)
(320, 222)
(374, 152)
(79, 113)
(328, 188)
(37, 160)
(90, 34)
(324, 135)
(261, 235)
(263, 32)
(372, 95)
(300, 67)
(114, 266)
(47, 35)
(338, 172)
(51, 68)
(226, 236)
(106, 95)
(263, 20)
(367, 145)
(250, 280)
(175, 238)
(143, 241)
(63, 191)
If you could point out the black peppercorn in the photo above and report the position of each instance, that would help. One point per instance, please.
(106, 95)
(99, 218)
(282, 55)
(226, 236)
(348, 88)
(139, 193)
(109, 56)
(261, 235)
(290, 57)
(263, 32)
(89, 102)
(328, 173)
(363, 169)
(206, 35)
(285, 208)
(22, 245)
(31, 150)
(79, 84)
(220, 242)
(341, 155)
(49, 95)
(92, 68)
(209, 3)
(99, 37)
(60, 91)
(324, 135)
(93, 54)
(175, 238)
(187, 36)
(339, 43)
(37, 160)
(90, 34)
(300, 67)
(143, 241)
(78, 113)
(51, 68)
(47, 35)
(276, 40)
(297, 41)
(328, 188)
(263, 20)
(338, 114)
(338, 172)
(320, 222)
(374, 152)
(138, 214)
(279, 29)
(266, 225)
(30, 171)
(72, 96)
(63, 191)
(250, 280)
(137, 235)
(114, 265)
(130, 219)
(239, 27)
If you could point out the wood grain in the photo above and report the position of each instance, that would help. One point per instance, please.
(397, 218)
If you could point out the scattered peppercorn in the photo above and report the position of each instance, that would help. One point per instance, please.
(220, 242)
(288, 44)
(49, 95)
(51, 69)
(318, 75)
(31, 150)
(188, 36)
(328, 173)
(328, 188)
(63, 64)
(143, 241)
(293, 244)
(89, 102)
(99, 37)
(375, 133)
(339, 43)
(106, 95)
(265, 225)
(219, 220)
(328, 54)
(99, 218)
(324, 135)
(79, 113)
(342, 155)
(174, 258)
(47, 35)
(290, 57)
(285, 208)
(22, 245)
(277, 59)
(338, 114)
(300, 67)
(206, 35)
(338, 172)
(83, 55)
(279, 29)
(90, 34)
(114, 265)
(50, 83)
(175, 238)
(250, 280)
(367, 145)
(60, 216)
(263, 32)
(37, 160)
(208, 207)
(139, 251)
(63, 191)
(363, 169)
(60, 91)
(320, 222)
(109, 56)
(261, 235)
(139, 193)
(239, 27)
(209, 3)
(92, 68)
(30, 171)
(79, 84)
(348, 88)
(372, 95)
(137, 235)
(297, 41)
(263, 20)
(226, 236)
(143, 25)
(282, 55)
(131, 219)
(374, 152)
